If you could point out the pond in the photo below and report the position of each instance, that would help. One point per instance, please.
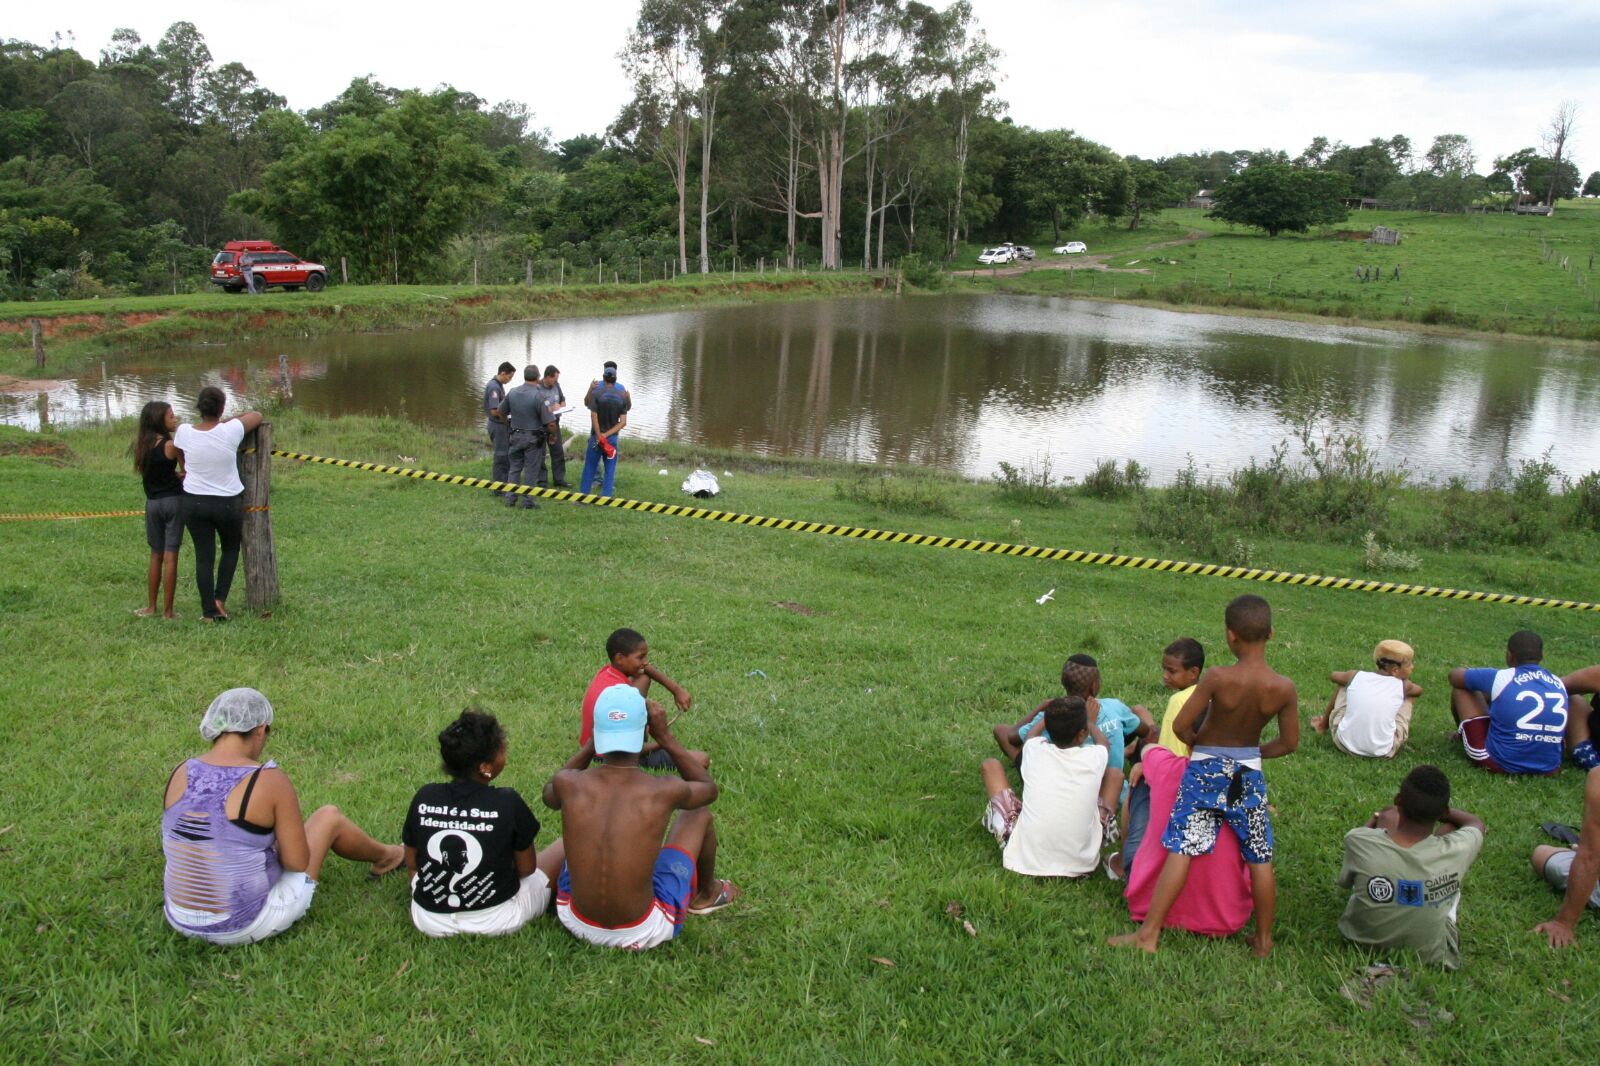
(959, 383)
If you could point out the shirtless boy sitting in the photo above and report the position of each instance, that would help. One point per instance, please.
(620, 886)
(1223, 782)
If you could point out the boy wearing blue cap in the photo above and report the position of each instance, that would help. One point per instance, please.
(620, 885)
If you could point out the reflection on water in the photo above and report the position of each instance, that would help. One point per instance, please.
(956, 382)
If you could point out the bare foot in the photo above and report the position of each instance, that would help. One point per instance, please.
(145, 612)
(1261, 945)
(222, 609)
(1132, 940)
(389, 863)
(1320, 723)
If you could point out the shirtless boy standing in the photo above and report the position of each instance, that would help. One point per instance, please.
(1224, 782)
(620, 886)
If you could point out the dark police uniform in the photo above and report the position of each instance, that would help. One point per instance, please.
(553, 397)
(524, 408)
(494, 394)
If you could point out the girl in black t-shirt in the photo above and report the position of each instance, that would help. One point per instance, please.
(156, 461)
(469, 845)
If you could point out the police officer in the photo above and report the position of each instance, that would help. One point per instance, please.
(554, 402)
(523, 408)
(499, 432)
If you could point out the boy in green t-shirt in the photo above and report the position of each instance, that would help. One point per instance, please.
(1406, 866)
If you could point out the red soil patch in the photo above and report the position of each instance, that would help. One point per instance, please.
(38, 448)
(11, 384)
(58, 324)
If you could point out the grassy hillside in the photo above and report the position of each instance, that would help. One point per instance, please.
(1497, 273)
(845, 690)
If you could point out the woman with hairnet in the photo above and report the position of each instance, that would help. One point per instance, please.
(241, 866)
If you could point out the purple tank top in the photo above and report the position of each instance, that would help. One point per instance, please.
(218, 875)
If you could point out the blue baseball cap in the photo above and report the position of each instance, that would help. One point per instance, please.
(619, 720)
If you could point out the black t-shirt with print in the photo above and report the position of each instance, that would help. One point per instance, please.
(466, 835)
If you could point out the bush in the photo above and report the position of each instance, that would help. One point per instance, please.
(1585, 497)
(1437, 315)
(1187, 512)
(921, 273)
(1033, 485)
(1107, 482)
(913, 495)
(1375, 557)
(1262, 497)
(1463, 518)
(1530, 518)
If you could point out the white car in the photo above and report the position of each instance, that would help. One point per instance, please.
(996, 256)
(1070, 248)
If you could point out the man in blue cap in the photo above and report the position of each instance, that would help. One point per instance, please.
(608, 403)
(620, 885)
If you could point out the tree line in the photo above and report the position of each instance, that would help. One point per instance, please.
(793, 132)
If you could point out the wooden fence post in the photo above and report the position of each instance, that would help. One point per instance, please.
(260, 557)
(344, 271)
(38, 341)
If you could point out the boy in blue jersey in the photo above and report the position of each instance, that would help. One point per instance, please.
(1080, 676)
(1119, 723)
(1512, 721)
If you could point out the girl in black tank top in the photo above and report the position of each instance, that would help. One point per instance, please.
(156, 461)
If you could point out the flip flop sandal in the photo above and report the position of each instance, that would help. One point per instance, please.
(1564, 833)
(727, 892)
(1108, 823)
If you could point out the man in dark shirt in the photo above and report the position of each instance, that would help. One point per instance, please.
(554, 401)
(499, 432)
(523, 409)
(608, 403)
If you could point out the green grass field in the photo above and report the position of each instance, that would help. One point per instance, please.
(845, 690)
(1479, 272)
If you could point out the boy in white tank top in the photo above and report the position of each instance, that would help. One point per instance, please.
(1369, 713)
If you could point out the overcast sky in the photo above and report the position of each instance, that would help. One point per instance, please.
(1148, 78)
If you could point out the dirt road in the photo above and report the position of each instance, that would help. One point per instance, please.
(1077, 262)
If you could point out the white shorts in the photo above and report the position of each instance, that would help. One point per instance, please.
(531, 900)
(653, 929)
(1558, 870)
(287, 902)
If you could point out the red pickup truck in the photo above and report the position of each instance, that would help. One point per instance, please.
(269, 264)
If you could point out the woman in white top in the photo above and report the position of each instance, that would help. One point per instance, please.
(213, 496)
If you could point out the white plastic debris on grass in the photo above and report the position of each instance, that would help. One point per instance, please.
(701, 483)
(1046, 598)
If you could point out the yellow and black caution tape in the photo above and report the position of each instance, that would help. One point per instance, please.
(68, 516)
(1025, 551)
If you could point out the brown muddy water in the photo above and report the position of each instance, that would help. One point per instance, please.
(959, 383)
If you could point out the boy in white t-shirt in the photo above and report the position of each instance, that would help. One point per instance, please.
(1369, 712)
(1055, 829)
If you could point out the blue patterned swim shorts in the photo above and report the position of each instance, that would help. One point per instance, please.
(1585, 755)
(1214, 790)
